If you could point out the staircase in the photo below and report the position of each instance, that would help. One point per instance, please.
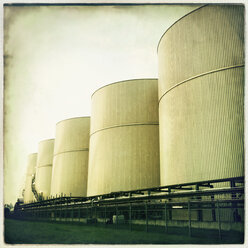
(23, 192)
(38, 197)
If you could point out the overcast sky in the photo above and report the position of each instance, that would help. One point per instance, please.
(56, 57)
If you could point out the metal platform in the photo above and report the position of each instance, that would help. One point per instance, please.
(192, 205)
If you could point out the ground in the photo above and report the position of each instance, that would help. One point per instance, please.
(30, 232)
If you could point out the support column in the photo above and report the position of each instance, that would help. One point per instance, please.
(86, 215)
(146, 213)
(213, 206)
(165, 217)
(219, 221)
(130, 216)
(169, 210)
(105, 215)
(199, 211)
(95, 215)
(189, 215)
(79, 214)
(116, 211)
(72, 212)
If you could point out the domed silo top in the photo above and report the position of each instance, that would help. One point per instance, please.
(123, 103)
(72, 135)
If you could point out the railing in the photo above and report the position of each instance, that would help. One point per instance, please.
(235, 185)
(194, 209)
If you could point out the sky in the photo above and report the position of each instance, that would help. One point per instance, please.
(55, 57)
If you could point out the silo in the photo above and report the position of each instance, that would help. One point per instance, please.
(44, 167)
(201, 96)
(70, 164)
(31, 166)
(124, 137)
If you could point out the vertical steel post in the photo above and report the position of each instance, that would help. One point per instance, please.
(146, 213)
(66, 210)
(79, 214)
(105, 215)
(169, 208)
(234, 210)
(189, 215)
(165, 217)
(199, 211)
(116, 211)
(60, 212)
(54, 208)
(56, 212)
(91, 213)
(95, 215)
(86, 215)
(72, 212)
(130, 216)
(219, 221)
(213, 205)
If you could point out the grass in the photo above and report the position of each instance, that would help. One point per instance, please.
(33, 232)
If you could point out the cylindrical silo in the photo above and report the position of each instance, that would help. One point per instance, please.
(201, 96)
(70, 164)
(124, 137)
(44, 167)
(31, 166)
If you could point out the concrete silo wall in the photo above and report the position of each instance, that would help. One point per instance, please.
(31, 167)
(44, 167)
(124, 140)
(201, 96)
(70, 164)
